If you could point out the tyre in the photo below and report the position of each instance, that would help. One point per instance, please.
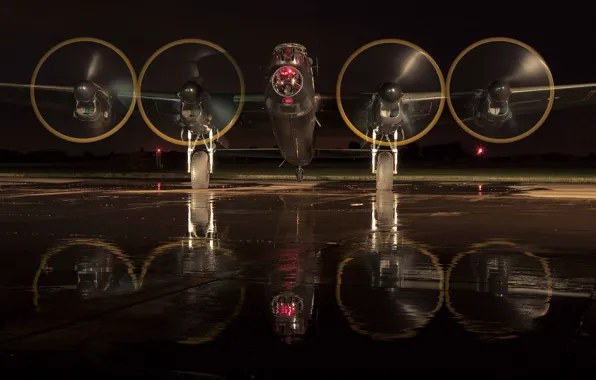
(385, 171)
(199, 170)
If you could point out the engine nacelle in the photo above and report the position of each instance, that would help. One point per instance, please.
(387, 109)
(193, 115)
(491, 107)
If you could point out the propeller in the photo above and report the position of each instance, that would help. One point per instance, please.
(374, 81)
(481, 84)
(195, 73)
(83, 70)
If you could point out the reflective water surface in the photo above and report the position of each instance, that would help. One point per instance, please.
(92, 272)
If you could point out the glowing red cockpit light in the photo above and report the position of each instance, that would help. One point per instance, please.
(288, 100)
(287, 81)
(287, 310)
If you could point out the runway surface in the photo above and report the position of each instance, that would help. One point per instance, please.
(137, 277)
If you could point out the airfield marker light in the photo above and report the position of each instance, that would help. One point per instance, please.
(288, 100)
(158, 159)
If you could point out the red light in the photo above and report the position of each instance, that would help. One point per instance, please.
(480, 151)
(158, 150)
(288, 100)
(287, 310)
(287, 71)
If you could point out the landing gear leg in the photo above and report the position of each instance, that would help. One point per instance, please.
(394, 151)
(299, 174)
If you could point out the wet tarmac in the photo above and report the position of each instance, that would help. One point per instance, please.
(250, 280)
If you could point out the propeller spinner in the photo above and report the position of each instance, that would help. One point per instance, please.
(85, 91)
(499, 91)
(190, 93)
(390, 92)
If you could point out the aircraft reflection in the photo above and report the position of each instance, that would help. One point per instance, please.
(402, 279)
(94, 270)
(292, 307)
(496, 290)
(199, 254)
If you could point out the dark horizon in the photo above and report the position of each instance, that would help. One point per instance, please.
(329, 35)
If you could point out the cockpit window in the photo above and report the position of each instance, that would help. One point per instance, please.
(293, 54)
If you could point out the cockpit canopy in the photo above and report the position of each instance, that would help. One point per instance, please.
(291, 54)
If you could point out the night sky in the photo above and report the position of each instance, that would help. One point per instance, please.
(330, 32)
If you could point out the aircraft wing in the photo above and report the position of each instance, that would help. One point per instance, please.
(530, 99)
(52, 97)
(419, 104)
(524, 100)
(47, 97)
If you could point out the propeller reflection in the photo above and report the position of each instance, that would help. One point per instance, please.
(405, 279)
(199, 253)
(198, 257)
(497, 290)
(95, 269)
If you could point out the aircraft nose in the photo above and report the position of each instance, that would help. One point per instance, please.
(85, 91)
(190, 92)
(499, 90)
(390, 92)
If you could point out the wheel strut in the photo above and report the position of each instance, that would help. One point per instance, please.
(299, 174)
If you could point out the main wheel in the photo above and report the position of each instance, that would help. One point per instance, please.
(385, 171)
(199, 170)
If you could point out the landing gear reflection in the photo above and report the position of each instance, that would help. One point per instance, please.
(199, 170)
(299, 174)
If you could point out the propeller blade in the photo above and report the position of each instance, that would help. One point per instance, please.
(94, 66)
(197, 56)
(222, 110)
